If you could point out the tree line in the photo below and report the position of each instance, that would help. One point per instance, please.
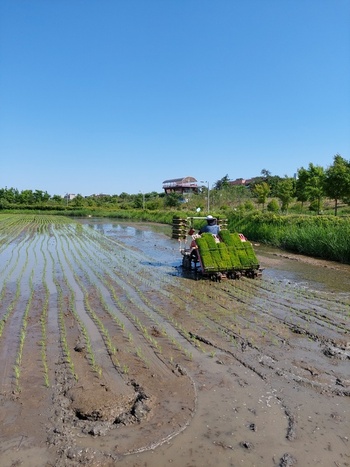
(312, 185)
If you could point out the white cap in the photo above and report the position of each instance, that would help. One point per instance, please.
(210, 217)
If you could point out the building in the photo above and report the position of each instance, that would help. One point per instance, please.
(69, 196)
(241, 182)
(180, 185)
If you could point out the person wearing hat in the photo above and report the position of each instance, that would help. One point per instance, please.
(211, 226)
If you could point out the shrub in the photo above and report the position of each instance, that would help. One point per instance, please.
(273, 206)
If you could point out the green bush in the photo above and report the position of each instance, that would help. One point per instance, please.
(273, 206)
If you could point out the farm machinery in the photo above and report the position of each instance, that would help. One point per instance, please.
(215, 257)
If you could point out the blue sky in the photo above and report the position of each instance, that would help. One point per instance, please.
(111, 96)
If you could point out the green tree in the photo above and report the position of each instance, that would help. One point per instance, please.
(57, 199)
(11, 195)
(271, 180)
(337, 181)
(313, 184)
(301, 186)
(261, 192)
(265, 173)
(222, 183)
(285, 192)
(78, 201)
(40, 196)
(172, 200)
(26, 197)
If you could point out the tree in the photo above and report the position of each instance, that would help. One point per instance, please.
(57, 199)
(285, 192)
(265, 173)
(301, 186)
(271, 180)
(173, 200)
(222, 183)
(261, 192)
(337, 181)
(313, 183)
(26, 197)
(78, 201)
(40, 196)
(11, 195)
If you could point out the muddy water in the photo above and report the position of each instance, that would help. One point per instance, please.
(154, 240)
(240, 417)
(320, 274)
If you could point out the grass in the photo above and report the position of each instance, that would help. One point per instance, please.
(324, 237)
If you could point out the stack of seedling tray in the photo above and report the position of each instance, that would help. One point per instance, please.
(222, 223)
(230, 254)
(180, 228)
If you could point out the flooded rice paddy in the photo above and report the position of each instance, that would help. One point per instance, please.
(110, 356)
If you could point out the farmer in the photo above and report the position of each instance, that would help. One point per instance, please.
(211, 226)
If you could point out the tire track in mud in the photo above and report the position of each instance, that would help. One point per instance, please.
(311, 305)
(271, 359)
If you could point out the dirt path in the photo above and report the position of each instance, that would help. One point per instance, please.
(108, 356)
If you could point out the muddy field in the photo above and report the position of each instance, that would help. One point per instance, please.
(110, 356)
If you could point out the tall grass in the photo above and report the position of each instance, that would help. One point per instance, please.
(320, 236)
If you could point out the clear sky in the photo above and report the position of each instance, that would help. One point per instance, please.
(111, 96)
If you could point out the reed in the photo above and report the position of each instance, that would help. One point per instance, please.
(325, 237)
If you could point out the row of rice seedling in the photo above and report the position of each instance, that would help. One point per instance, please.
(62, 306)
(162, 279)
(43, 320)
(180, 295)
(143, 329)
(11, 305)
(103, 330)
(23, 333)
(15, 300)
(142, 303)
(72, 309)
(85, 254)
(63, 331)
